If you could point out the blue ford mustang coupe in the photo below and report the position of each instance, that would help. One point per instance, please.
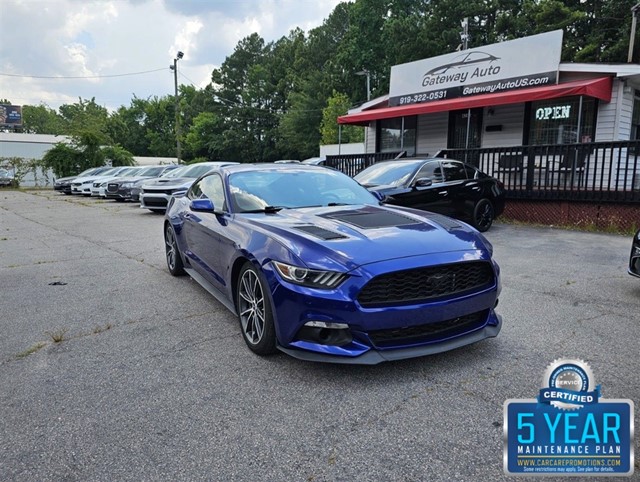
(314, 265)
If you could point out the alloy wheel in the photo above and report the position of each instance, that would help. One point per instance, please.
(252, 307)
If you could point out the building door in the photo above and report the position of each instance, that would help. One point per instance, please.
(465, 132)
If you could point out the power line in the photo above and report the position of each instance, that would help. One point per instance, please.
(62, 77)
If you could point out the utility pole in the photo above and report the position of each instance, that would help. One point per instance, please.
(634, 11)
(174, 67)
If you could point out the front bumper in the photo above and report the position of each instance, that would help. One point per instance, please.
(154, 200)
(383, 333)
(373, 357)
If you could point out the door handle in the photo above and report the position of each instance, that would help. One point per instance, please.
(443, 193)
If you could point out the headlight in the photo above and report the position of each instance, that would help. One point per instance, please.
(309, 277)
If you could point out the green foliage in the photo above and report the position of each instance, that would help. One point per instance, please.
(338, 105)
(64, 160)
(204, 138)
(85, 115)
(118, 156)
(41, 119)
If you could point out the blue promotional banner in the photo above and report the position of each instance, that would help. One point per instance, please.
(544, 440)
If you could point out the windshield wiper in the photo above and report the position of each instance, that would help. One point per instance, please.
(338, 204)
(266, 209)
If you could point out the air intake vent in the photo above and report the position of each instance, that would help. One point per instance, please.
(320, 232)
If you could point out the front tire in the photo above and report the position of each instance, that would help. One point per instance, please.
(254, 312)
(174, 260)
(483, 215)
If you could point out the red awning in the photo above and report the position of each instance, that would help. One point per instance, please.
(600, 88)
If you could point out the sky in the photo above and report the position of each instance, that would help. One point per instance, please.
(55, 51)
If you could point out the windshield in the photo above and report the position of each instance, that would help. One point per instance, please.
(129, 171)
(394, 173)
(294, 188)
(197, 170)
(151, 171)
(175, 172)
(109, 172)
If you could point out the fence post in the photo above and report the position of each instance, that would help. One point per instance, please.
(531, 164)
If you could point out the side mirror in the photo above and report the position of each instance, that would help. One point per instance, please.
(423, 182)
(202, 205)
(379, 196)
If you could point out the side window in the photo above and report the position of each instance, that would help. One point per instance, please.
(453, 171)
(472, 173)
(212, 188)
(432, 171)
(195, 191)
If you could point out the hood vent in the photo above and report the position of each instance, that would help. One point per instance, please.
(445, 222)
(372, 220)
(320, 232)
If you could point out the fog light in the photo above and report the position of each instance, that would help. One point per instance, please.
(325, 333)
(329, 325)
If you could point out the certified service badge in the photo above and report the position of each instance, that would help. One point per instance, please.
(569, 429)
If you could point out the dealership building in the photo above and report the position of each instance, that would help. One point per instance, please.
(550, 130)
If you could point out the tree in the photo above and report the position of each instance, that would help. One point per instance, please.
(204, 139)
(338, 105)
(85, 115)
(64, 160)
(41, 119)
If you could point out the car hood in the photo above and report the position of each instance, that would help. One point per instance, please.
(357, 235)
(386, 188)
(84, 180)
(66, 179)
(170, 183)
(129, 179)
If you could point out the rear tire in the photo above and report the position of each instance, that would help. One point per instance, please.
(254, 311)
(174, 260)
(483, 215)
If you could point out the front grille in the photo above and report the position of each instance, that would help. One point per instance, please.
(112, 187)
(426, 284)
(154, 201)
(428, 332)
(157, 192)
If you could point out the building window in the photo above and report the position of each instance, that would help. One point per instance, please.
(391, 137)
(556, 121)
(635, 118)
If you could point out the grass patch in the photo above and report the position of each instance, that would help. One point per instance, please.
(32, 349)
(58, 335)
(100, 329)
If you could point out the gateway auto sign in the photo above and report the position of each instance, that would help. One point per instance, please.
(516, 64)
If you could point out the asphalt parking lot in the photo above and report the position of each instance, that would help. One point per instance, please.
(152, 380)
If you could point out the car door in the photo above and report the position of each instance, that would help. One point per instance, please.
(455, 190)
(473, 189)
(422, 197)
(207, 234)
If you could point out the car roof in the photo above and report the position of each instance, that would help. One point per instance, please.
(270, 166)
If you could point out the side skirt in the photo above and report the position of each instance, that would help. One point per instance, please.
(217, 294)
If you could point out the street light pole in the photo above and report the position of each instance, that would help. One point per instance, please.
(634, 11)
(368, 74)
(174, 67)
(366, 129)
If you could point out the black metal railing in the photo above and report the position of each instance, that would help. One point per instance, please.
(595, 171)
(352, 164)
